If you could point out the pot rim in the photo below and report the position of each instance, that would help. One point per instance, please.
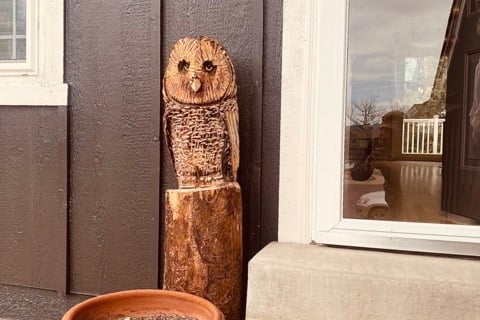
(135, 294)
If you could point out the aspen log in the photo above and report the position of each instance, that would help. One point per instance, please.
(203, 245)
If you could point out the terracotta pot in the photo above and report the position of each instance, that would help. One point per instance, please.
(143, 303)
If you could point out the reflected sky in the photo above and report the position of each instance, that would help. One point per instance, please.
(393, 49)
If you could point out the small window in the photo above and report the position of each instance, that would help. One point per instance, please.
(31, 53)
(12, 30)
(18, 37)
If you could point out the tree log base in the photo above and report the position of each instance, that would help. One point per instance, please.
(203, 245)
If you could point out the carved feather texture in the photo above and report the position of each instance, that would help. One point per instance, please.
(201, 113)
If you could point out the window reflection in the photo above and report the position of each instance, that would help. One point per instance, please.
(400, 123)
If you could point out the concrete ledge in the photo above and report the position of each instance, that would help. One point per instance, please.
(294, 281)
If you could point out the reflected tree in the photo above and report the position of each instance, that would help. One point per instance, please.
(364, 113)
(363, 116)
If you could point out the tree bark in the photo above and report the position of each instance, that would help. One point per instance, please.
(203, 245)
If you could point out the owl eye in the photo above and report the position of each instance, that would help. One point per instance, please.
(183, 65)
(208, 66)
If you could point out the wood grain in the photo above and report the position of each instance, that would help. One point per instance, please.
(203, 245)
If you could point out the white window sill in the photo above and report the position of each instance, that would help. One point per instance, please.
(33, 95)
(319, 282)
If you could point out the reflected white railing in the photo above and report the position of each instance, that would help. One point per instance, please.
(422, 136)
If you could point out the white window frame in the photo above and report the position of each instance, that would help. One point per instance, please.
(311, 144)
(38, 81)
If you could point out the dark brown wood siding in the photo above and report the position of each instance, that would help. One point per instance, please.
(118, 169)
(272, 78)
(33, 190)
(112, 67)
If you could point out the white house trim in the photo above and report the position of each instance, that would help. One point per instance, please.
(303, 85)
(294, 219)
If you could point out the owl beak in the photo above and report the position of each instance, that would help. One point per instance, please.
(195, 84)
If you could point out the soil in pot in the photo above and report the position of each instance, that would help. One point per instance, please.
(160, 317)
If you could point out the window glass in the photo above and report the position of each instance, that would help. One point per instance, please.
(6, 17)
(12, 30)
(20, 17)
(412, 121)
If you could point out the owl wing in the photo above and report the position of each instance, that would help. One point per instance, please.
(166, 130)
(231, 121)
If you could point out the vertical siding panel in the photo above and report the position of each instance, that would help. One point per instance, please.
(272, 73)
(253, 198)
(62, 198)
(32, 194)
(112, 66)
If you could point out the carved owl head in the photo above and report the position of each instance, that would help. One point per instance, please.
(199, 71)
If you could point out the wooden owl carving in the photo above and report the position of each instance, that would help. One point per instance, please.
(200, 120)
